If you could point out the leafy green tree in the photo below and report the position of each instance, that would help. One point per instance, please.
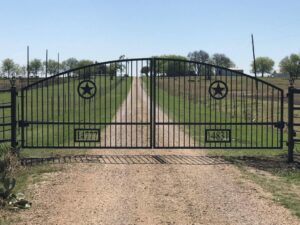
(291, 65)
(145, 70)
(69, 64)
(20, 70)
(263, 65)
(84, 62)
(199, 56)
(222, 60)
(8, 66)
(171, 68)
(35, 66)
(52, 67)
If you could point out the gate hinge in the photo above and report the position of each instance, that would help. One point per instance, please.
(23, 123)
(279, 125)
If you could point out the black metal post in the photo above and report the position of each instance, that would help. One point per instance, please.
(291, 131)
(14, 118)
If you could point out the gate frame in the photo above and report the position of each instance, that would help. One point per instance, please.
(153, 123)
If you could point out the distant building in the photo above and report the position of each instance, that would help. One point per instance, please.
(281, 75)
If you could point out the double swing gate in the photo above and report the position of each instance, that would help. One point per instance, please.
(151, 103)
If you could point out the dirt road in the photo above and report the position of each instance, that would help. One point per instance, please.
(158, 193)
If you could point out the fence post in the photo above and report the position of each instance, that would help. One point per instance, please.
(13, 118)
(291, 131)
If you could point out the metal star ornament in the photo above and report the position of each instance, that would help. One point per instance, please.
(218, 89)
(87, 89)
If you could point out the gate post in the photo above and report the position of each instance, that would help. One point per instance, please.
(291, 132)
(13, 92)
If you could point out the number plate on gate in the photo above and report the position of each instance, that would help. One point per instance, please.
(86, 135)
(218, 135)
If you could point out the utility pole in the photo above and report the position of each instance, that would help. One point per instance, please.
(57, 62)
(46, 63)
(254, 59)
(28, 65)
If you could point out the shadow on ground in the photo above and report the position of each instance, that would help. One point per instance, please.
(128, 159)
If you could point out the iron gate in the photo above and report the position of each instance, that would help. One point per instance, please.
(151, 103)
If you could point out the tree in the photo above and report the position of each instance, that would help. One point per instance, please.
(202, 57)
(35, 66)
(20, 70)
(8, 66)
(199, 56)
(70, 64)
(84, 62)
(52, 67)
(145, 70)
(222, 60)
(263, 65)
(171, 68)
(291, 65)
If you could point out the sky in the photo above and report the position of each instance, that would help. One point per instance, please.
(103, 30)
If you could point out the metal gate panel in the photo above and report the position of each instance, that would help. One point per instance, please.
(105, 105)
(206, 106)
(152, 103)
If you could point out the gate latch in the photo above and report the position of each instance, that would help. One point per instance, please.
(279, 125)
(22, 123)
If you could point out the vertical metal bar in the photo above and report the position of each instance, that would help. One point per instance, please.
(42, 103)
(148, 128)
(281, 109)
(136, 102)
(132, 88)
(126, 99)
(272, 115)
(115, 105)
(63, 108)
(153, 101)
(121, 108)
(37, 113)
(175, 78)
(105, 101)
(22, 118)
(142, 103)
(291, 124)
(184, 108)
(168, 93)
(14, 119)
(267, 118)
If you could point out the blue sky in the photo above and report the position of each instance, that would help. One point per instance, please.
(103, 30)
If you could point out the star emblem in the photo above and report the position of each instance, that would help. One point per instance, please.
(218, 89)
(86, 89)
